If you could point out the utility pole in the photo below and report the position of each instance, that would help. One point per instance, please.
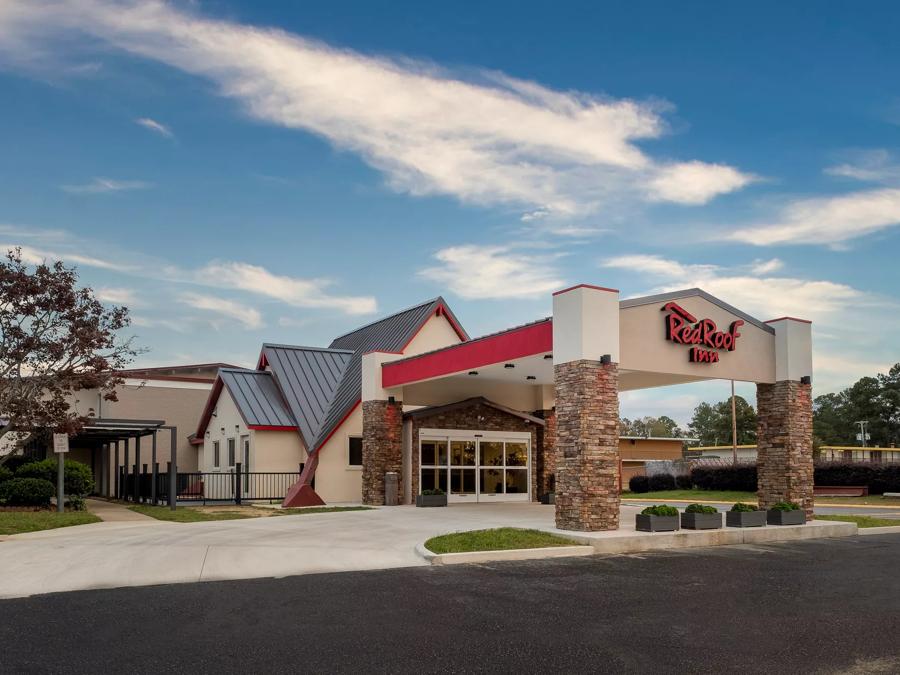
(733, 426)
(863, 436)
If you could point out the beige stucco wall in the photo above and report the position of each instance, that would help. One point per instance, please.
(280, 451)
(435, 333)
(226, 423)
(336, 480)
(644, 347)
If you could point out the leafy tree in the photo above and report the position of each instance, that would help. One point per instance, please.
(874, 399)
(712, 423)
(658, 427)
(55, 338)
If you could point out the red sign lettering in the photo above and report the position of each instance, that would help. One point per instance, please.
(684, 328)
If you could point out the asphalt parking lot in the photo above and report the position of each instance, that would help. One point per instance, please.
(821, 606)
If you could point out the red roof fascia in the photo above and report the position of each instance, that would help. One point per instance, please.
(513, 344)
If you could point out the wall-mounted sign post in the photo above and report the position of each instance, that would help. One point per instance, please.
(60, 447)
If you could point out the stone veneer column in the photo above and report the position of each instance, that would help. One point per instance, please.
(382, 449)
(587, 445)
(545, 461)
(784, 444)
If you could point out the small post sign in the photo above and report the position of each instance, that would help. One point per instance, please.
(60, 443)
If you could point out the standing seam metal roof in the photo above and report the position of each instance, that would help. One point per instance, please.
(389, 334)
(256, 397)
(307, 378)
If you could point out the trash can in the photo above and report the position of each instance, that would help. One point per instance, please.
(391, 488)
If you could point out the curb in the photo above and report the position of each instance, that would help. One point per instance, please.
(509, 554)
(887, 529)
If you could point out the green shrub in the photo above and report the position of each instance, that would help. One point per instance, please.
(639, 484)
(785, 506)
(660, 510)
(683, 481)
(434, 492)
(76, 503)
(5, 474)
(77, 478)
(701, 508)
(741, 477)
(27, 492)
(743, 507)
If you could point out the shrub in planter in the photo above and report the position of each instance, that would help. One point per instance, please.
(683, 481)
(745, 515)
(639, 484)
(701, 517)
(435, 497)
(77, 477)
(27, 492)
(659, 518)
(785, 513)
(662, 481)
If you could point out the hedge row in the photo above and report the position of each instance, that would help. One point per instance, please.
(34, 483)
(879, 478)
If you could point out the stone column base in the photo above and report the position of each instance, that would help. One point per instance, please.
(587, 446)
(784, 444)
(382, 449)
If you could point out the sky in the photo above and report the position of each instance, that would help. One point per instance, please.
(238, 172)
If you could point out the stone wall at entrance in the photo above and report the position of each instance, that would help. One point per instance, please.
(784, 444)
(545, 453)
(478, 417)
(382, 449)
(587, 445)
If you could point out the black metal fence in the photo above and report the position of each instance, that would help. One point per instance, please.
(233, 487)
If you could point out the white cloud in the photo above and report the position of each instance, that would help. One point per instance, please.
(874, 166)
(486, 139)
(696, 182)
(763, 267)
(765, 296)
(104, 185)
(244, 314)
(483, 272)
(116, 296)
(291, 290)
(153, 125)
(827, 220)
(37, 256)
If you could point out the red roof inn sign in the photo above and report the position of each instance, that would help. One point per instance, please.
(704, 337)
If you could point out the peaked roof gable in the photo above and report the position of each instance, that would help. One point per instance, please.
(307, 378)
(256, 397)
(390, 334)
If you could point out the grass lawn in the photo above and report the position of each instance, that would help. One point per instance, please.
(16, 522)
(863, 521)
(500, 539)
(188, 514)
(736, 496)
(198, 514)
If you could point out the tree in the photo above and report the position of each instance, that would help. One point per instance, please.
(657, 427)
(874, 399)
(55, 338)
(712, 423)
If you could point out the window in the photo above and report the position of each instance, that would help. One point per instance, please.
(230, 452)
(354, 457)
(216, 457)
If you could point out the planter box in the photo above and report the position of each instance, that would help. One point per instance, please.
(745, 518)
(431, 500)
(701, 521)
(786, 517)
(549, 498)
(646, 523)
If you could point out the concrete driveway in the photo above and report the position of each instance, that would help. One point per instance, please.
(146, 552)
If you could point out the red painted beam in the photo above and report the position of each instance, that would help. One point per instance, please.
(517, 343)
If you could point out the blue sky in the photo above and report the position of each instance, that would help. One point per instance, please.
(237, 172)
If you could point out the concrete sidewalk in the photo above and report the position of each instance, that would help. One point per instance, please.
(110, 512)
(136, 553)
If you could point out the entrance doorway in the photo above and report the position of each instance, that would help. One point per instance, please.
(476, 466)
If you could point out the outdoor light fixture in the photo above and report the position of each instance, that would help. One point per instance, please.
(509, 365)
(391, 399)
(806, 379)
(606, 359)
(473, 372)
(531, 377)
(547, 357)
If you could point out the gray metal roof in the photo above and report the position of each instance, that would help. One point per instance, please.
(389, 334)
(308, 379)
(257, 397)
(695, 292)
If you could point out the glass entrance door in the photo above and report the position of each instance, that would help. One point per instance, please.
(474, 468)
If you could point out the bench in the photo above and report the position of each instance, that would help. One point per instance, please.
(841, 490)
